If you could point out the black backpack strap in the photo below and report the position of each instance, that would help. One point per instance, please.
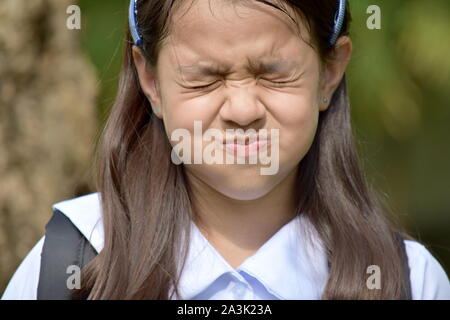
(64, 245)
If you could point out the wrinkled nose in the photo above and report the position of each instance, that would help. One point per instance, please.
(242, 105)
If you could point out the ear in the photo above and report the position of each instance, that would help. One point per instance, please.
(334, 70)
(148, 81)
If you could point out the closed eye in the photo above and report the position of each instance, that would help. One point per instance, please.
(290, 80)
(203, 87)
(211, 84)
(279, 82)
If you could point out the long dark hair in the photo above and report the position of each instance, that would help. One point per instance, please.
(146, 202)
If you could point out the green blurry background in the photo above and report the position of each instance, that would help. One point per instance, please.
(399, 89)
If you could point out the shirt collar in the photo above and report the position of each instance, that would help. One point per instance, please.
(288, 265)
(202, 267)
(292, 263)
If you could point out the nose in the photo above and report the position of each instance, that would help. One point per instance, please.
(242, 105)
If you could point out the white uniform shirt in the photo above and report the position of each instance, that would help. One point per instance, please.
(285, 267)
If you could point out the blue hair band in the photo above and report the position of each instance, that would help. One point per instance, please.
(132, 21)
(134, 28)
(338, 21)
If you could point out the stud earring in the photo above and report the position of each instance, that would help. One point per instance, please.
(325, 100)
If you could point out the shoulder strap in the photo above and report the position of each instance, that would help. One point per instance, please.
(64, 245)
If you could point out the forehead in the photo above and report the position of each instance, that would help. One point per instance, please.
(213, 36)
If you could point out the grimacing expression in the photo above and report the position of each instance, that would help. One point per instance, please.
(239, 66)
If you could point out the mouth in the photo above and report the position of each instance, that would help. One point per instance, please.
(243, 147)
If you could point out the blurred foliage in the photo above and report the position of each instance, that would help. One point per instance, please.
(399, 87)
(103, 36)
(399, 90)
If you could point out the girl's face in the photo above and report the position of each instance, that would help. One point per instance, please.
(240, 52)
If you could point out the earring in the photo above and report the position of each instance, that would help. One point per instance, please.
(325, 100)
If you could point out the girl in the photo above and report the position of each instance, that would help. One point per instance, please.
(311, 229)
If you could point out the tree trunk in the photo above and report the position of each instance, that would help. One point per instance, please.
(47, 121)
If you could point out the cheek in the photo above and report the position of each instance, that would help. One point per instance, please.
(181, 109)
(297, 117)
(182, 113)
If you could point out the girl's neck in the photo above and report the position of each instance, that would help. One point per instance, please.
(237, 228)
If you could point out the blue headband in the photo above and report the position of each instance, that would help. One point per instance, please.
(132, 21)
(134, 28)
(338, 21)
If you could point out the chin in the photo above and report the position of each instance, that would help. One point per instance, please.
(244, 194)
(237, 183)
(245, 188)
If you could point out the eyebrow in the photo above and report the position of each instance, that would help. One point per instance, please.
(258, 66)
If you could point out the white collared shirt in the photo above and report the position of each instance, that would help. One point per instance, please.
(285, 267)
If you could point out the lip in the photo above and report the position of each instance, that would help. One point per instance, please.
(246, 150)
